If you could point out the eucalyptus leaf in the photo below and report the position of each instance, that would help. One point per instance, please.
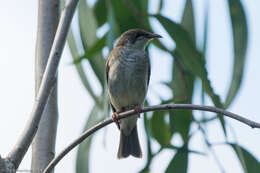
(88, 29)
(83, 154)
(240, 39)
(180, 121)
(113, 28)
(149, 148)
(128, 14)
(161, 3)
(188, 20)
(159, 129)
(94, 49)
(100, 12)
(205, 30)
(192, 60)
(204, 47)
(182, 85)
(179, 163)
(249, 163)
(80, 70)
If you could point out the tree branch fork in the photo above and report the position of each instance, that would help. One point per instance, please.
(129, 113)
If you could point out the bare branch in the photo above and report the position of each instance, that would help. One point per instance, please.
(43, 145)
(147, 109)
(21, 147)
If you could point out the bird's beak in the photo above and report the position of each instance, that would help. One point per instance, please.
(154, 36)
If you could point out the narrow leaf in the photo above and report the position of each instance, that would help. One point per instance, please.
(188, 19)
(128, 14)
(149, 149)
(180, 121)
(248, 161)
(82, 75)
(179, 163)
(192, 60)
(161, 3)
(100, 11)
(183, 81)
(205, 30)
(240, 38)
(113, 28)
(93, 50)
(83, 154)
(160, 130)
(88, 28)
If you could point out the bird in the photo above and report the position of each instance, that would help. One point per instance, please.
(128, 74)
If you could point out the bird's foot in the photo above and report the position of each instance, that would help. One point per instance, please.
(114, 117)
(138, 110)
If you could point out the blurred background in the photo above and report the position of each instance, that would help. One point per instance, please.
(208, 55)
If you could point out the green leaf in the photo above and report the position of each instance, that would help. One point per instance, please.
(204, 48)
(128, 14)
(182, 85)
(72, 45)
(205, 30)
(240, 38)
(249, 163)
(79, 67)
(188, 19)
(100, 11)
(88, 28)
(83, 154)
(192, 60)
(113, 28)
(182, 82)
(93, 50)
(180, 121)
(161, 3)
(149, 154)
(141, 6)
(159, 129)
(179, 163)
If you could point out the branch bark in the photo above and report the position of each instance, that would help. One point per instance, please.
(43, 146)
(24, 141)
(147, 109)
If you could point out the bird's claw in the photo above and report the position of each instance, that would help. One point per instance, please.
(138, 110)
(114, 118)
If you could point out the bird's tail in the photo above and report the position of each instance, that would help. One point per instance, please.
(129, 145)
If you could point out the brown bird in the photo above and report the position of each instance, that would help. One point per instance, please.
(128, 74)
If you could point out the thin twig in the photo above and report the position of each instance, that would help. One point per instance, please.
(24, 141)
(147, 109)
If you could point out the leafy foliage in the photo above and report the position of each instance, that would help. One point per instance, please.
(247, 160)
(179, 162)
(189, 64)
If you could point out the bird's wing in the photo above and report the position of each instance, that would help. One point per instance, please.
(149, 70)
(107, 71)
(107, 68)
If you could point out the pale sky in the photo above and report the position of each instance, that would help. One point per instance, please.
(17, 47)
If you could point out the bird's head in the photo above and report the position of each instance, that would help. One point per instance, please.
(136, 38)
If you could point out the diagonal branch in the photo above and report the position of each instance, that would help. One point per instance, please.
(24, 141)
(104, 123)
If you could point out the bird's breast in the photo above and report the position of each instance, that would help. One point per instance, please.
(127, 84)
